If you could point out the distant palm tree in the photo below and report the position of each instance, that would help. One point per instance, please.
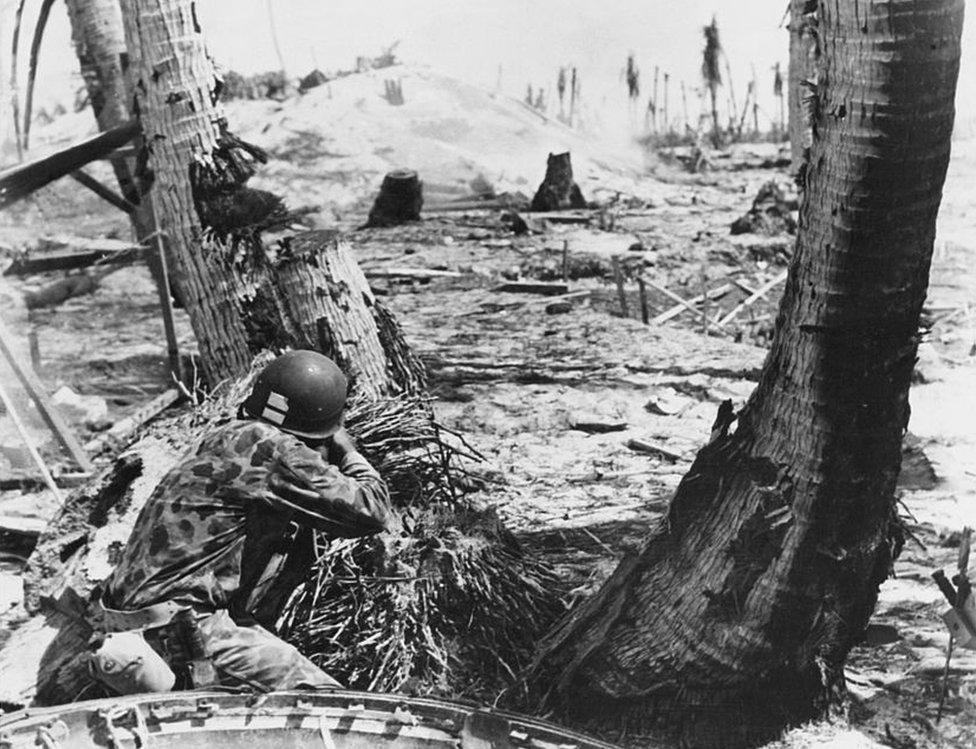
(711, 73)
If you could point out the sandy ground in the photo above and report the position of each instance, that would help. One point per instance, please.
(515, 380)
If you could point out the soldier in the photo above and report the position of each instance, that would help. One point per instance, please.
(227, 535)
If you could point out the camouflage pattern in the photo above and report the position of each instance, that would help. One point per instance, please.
(242, 656)
(188, 541)
(216, 521)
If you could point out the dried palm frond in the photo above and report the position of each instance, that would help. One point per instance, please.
(454, 607)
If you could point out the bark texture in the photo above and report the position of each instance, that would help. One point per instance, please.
(803, 70)
(742, 606)
(244, 296)
(181, 119)
(315, 296)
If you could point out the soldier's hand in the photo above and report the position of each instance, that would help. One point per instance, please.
(340, 445)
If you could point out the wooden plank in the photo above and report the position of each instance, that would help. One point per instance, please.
(559, 217)
(126, 427)
(50, 415)
(72, 260)
(754, 297)
(8, 404)
(19, 182)
(419, 273)
(533, 287)
(28, 481)
(105, 193)
(652, 448)
(684, 304)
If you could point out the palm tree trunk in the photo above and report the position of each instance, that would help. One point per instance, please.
(740, 609)
(241, 298)
(99, 39)
(803, 51)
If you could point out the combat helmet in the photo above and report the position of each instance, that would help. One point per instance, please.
(302, 393)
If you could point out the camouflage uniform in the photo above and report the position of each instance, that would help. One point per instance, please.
(210, 528)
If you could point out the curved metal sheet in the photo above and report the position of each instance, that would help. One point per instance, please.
(327, 719)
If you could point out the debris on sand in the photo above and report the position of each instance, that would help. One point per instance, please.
(771, 213)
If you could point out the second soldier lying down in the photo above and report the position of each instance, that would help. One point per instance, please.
(227, 535)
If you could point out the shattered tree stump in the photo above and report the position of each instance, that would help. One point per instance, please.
(314, 284)
(400, 200)
(558, 191)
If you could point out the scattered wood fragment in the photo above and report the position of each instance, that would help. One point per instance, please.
(11, 410)
(684, 304)
(63, 480)
(417, 273)
(105, 193)
(35, 390)
(618, 278)
(533, 287)
(594, 425)
(125, 428)
(23, 525)
(19, 182)
(642, 291)
(73, 260)
(652, 448)
(758, 294)
(568, 217)
(555, 302)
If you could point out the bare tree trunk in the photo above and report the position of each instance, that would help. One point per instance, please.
(739, 611)
(242, 296)
(803, 60)
(99, 39)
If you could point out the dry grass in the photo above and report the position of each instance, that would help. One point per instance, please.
(452, 605)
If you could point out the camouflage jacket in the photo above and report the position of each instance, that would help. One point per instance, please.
(210, 517)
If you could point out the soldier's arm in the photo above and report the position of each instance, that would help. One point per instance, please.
(345, 501)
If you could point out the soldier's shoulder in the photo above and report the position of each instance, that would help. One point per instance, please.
(242, 437)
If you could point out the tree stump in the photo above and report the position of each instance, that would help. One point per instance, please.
(558, 191)
(400, 200)
(313, 295)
